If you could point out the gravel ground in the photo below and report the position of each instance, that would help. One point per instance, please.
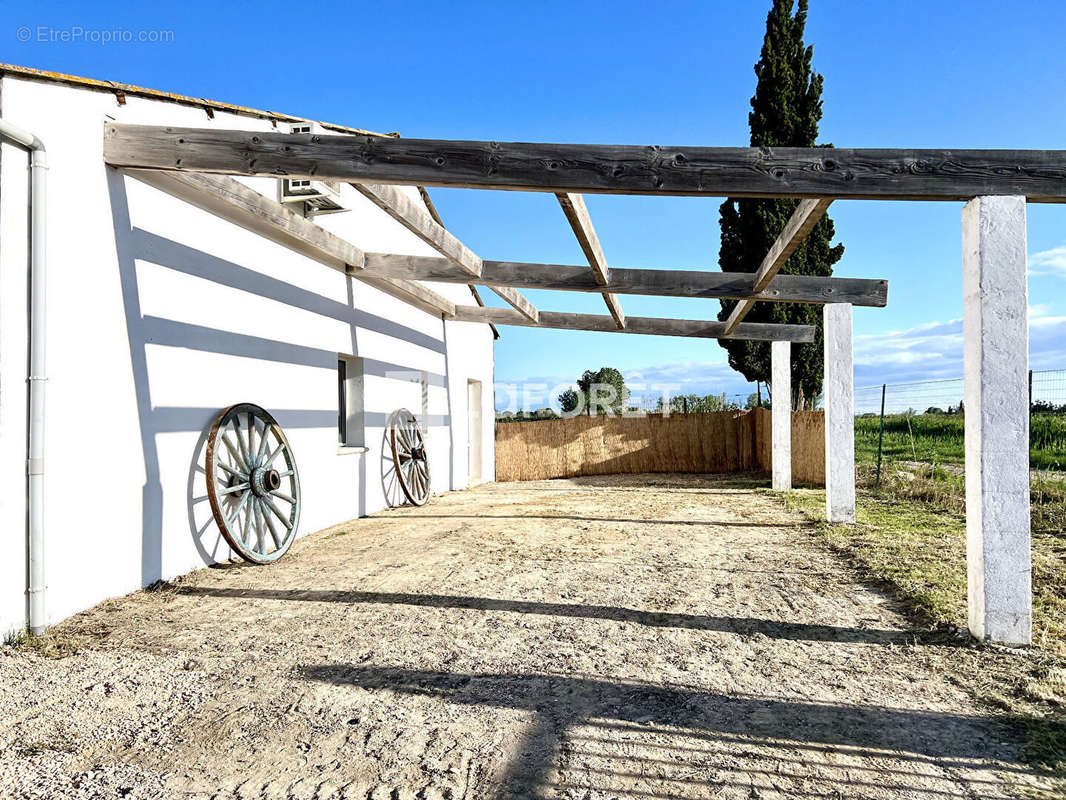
(593, 638)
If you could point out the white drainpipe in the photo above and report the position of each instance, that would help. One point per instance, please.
(36, 377)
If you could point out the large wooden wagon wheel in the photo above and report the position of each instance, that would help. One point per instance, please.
(409, 456)
(252, 483)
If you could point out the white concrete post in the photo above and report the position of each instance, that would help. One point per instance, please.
(996, 368)
(781, 415)
(839, 403)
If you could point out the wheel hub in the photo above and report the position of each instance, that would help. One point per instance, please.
(265, 481)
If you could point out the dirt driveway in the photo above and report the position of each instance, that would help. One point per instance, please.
(615, 637)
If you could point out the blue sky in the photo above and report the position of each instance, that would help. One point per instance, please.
(902, 74)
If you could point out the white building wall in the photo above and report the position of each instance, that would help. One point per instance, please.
(160, 315)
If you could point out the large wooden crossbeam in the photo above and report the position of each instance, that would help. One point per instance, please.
(657, 282)
(402, 209)
(803, 219)
(230, 199)
(904, 174)
(655, 326)
(577, 214)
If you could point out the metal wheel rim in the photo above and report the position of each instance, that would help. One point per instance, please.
(409, 456)
(255, 504)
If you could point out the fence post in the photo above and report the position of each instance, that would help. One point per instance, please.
(881, 434)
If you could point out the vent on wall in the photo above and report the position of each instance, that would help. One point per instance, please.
(311, 197)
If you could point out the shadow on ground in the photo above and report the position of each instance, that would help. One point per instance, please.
(669, 733)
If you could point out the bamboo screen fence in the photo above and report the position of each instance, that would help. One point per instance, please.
(727, 441)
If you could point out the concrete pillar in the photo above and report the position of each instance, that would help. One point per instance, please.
(996, 367)
(781, 401)
(839, 403)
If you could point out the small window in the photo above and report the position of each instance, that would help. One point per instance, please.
(350, 401)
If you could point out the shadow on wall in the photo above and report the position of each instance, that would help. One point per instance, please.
(132, 244)
(626, 738)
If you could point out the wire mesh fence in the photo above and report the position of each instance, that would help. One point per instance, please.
(1047, 394)
(924, 421)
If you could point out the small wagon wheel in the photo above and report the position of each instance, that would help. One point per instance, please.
(252, 483)
(409, 456)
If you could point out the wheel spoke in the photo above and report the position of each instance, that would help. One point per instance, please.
(287, 473)
(270, 504)
(236, 488)
(260, 539)
(284, 497)
(269, 523)
(273, 455)
(247, 524)
(251, 437)
(233, 450)
(245, 455)
(234, 472)
(237, 513)
(262, 444)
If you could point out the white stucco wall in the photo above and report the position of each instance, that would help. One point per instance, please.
(159, 315)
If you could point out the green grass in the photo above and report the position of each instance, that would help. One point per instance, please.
(940, 438)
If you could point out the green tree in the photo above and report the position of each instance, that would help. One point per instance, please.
(606, 385)
(569, 400)
(785, 112)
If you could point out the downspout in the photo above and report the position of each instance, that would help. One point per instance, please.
(36, 377)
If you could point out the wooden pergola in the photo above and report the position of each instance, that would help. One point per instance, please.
(197, 164)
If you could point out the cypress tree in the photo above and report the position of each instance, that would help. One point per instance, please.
(785, 112)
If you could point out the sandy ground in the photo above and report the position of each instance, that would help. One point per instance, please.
(615, 637)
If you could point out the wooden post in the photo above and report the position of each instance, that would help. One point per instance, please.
(839, 415)
(996, 365)
(781, 414)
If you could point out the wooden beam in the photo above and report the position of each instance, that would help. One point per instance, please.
(577, 214)
(405, 211)
(231, 200)
(803, 219)
(653, 326)
(902, 174)
(655, 282)
(432, 209)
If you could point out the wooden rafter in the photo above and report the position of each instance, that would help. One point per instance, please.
(881, 174)
(654, 326)
(405, 211)
(577, 214)
(803, 219)
(655, 282)
(432, 209)
(230, 199)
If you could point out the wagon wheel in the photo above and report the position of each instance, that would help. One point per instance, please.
(409, 456)
(255, 497)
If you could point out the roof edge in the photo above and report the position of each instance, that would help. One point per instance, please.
(121, 90)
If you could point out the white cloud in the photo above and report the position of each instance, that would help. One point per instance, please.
(930, 351)
(1049, 262)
